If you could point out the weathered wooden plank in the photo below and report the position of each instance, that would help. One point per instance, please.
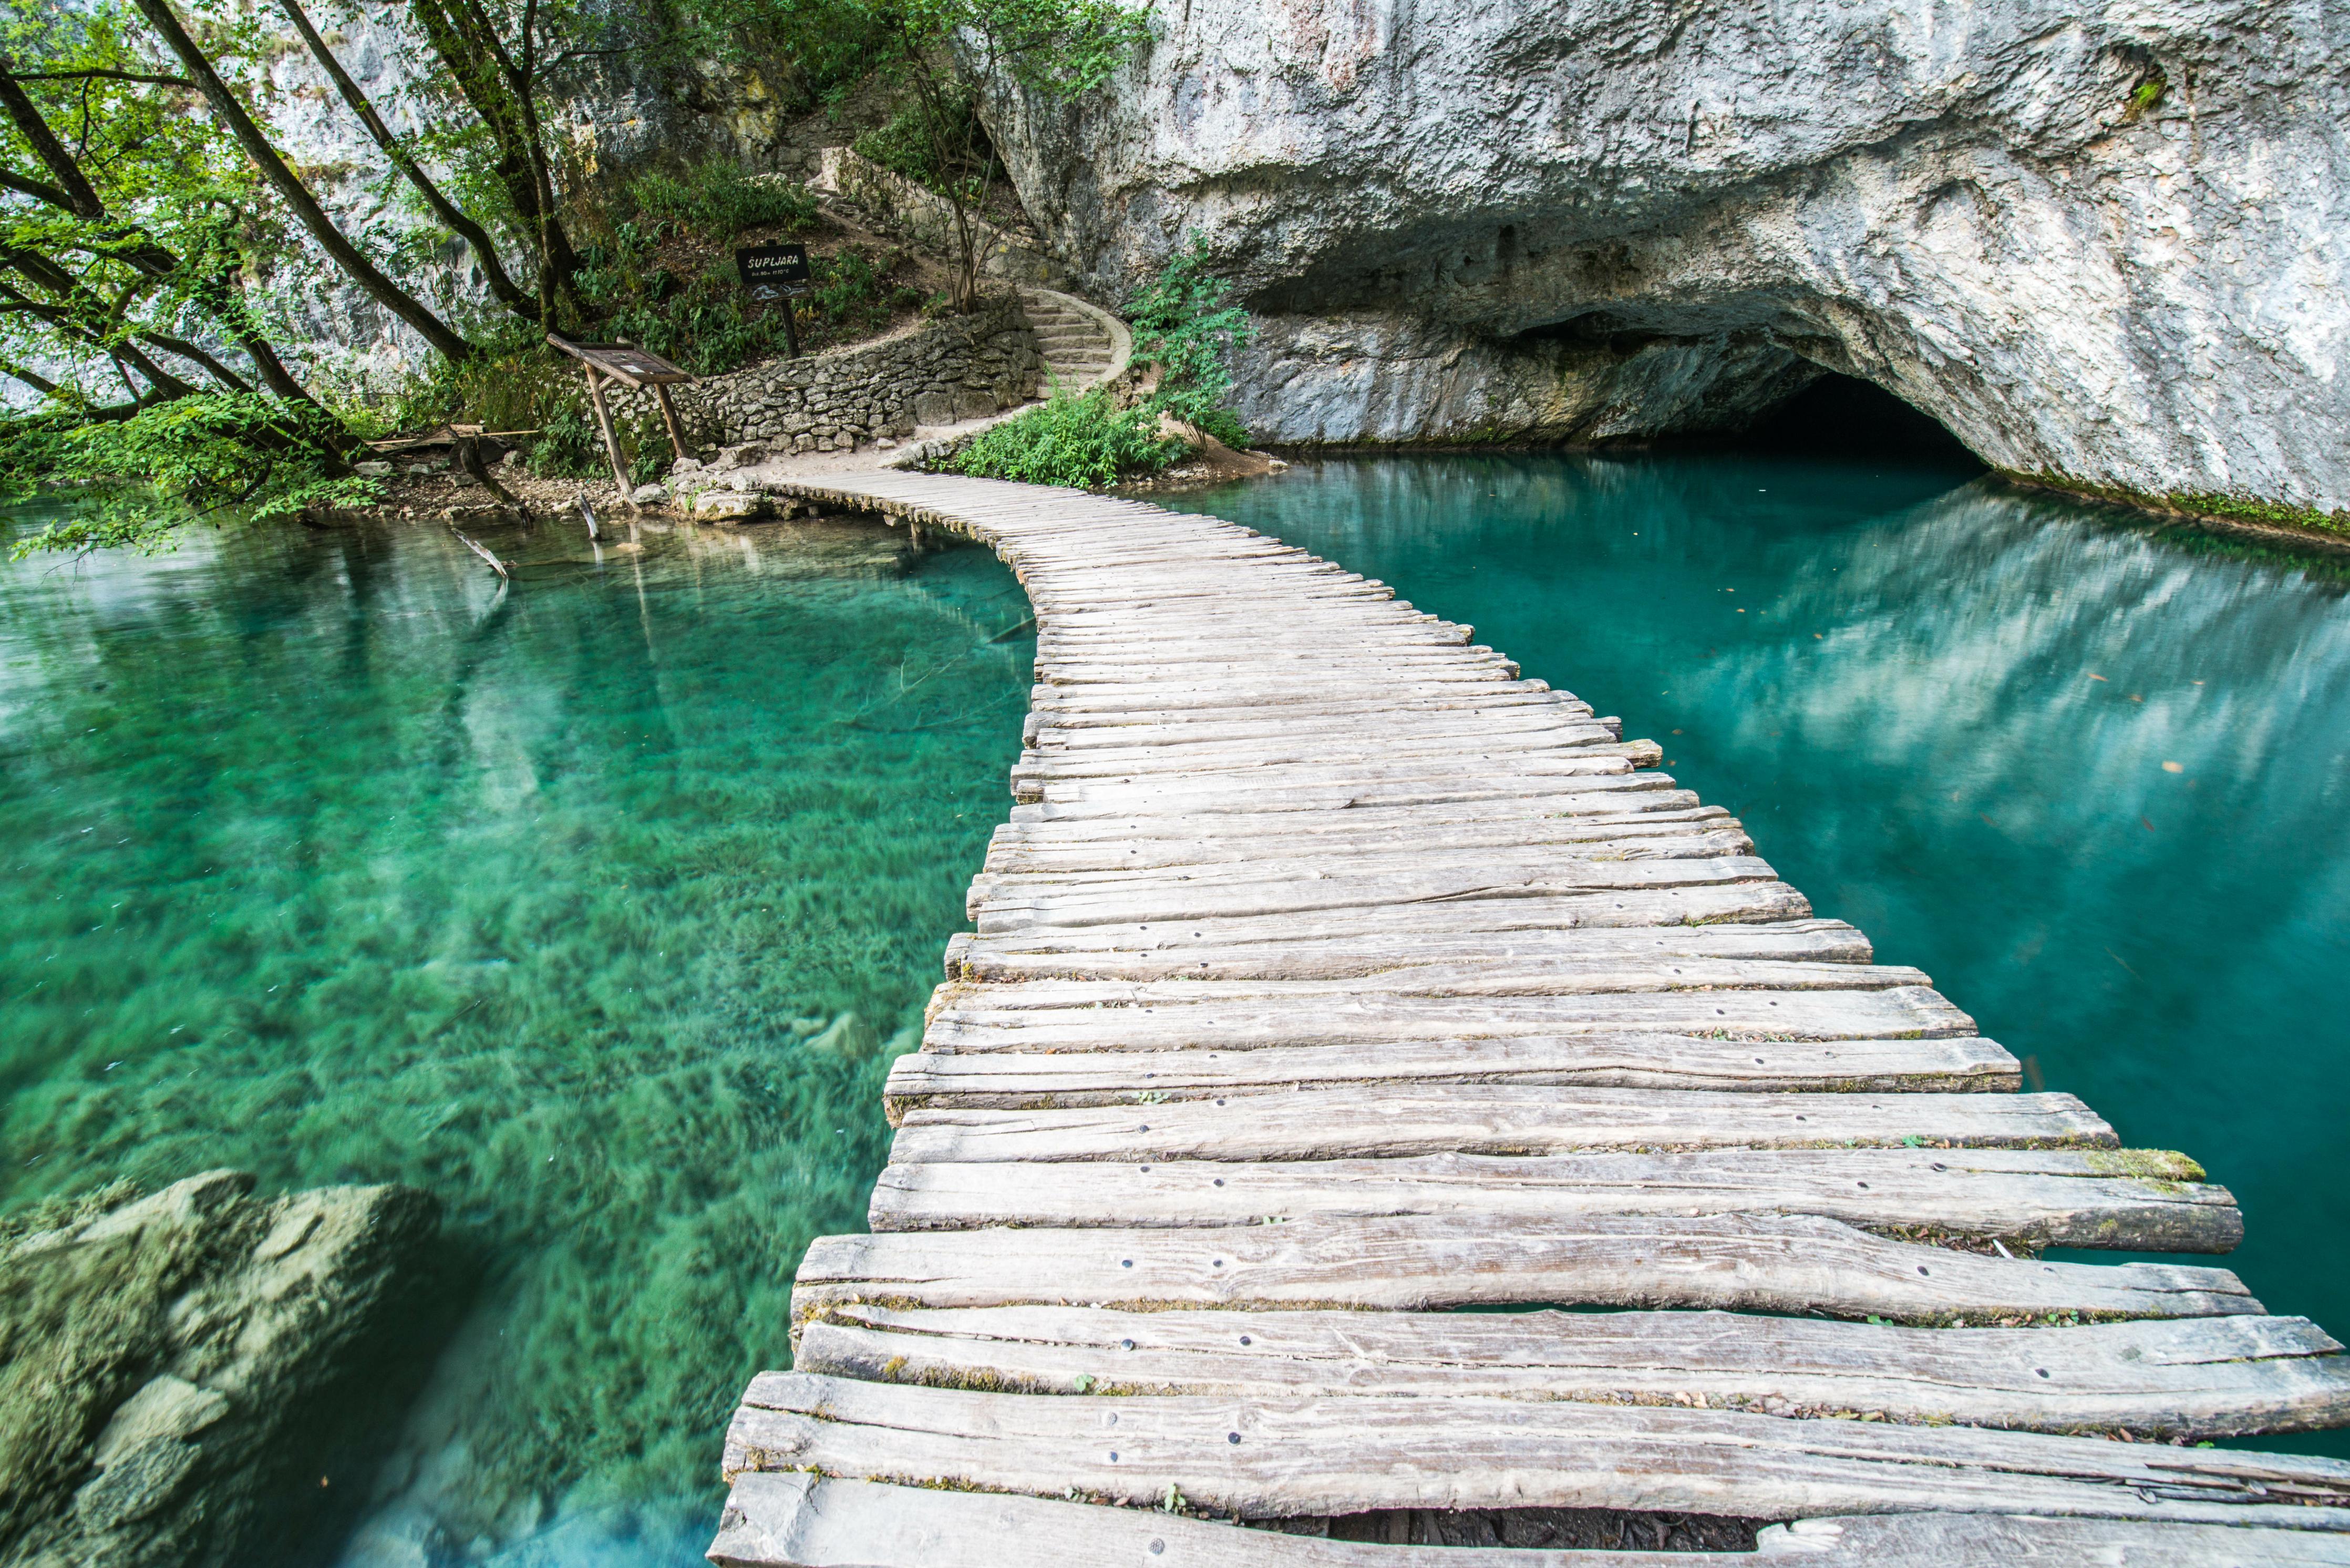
(1225, 702)
(1499, 976)
(1007, 877)
(2147, 1200)
(1406, 779)
(1391, 1122)
(973, 957)
(1068, 714)
(1730, 903)
(1098, 735)
(1276, 819)
(1077, 904)
(2176, 1378)
(1625, 835)
(1060, 1079)
(1749, 1262)
(1901, 1013)
(1512, 752)
(796, 1519)
(1347, 1455)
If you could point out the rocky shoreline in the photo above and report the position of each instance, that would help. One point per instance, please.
(181, 1368)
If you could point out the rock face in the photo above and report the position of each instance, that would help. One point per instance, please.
(2100, 243)
(173, 1366)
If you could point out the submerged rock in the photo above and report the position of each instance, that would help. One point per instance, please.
(177, 1366)
(2097, 242)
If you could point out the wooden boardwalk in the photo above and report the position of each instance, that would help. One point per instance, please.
(1329, 977)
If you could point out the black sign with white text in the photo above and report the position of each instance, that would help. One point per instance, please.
(772, 271)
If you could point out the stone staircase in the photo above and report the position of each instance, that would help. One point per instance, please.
(1079, 342)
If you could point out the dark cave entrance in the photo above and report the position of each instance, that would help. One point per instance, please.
(1844, 417)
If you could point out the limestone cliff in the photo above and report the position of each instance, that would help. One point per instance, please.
(2101, 242)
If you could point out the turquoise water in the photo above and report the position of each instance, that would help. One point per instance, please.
(2093, 778)
(594, 905)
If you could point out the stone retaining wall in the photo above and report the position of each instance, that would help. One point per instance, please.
(945, 370)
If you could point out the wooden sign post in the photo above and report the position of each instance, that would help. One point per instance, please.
(630, 367)
(778, 272)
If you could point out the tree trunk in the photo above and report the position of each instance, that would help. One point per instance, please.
(296, 195)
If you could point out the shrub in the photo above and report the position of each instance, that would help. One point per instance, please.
(568, 445)
(1183, 323)
(193, 459)
(718, 199)
(1081, 442)
(906, 144)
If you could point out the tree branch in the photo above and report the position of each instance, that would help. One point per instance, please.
(486, 253)
(187, 350)
(105, 74)
(81, 198)
(296, 195)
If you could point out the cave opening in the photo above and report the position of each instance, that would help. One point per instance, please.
(1844, 416)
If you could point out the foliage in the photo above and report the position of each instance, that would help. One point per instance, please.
(98, 298)
(1224, 425)
(2147, 96)
(1052, 49)
(568, 446)
(198, 458)
(908, 144)
(1183, 323)
(718, 199)
(1082, 441)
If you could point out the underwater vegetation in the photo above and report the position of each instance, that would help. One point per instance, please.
(594, 906)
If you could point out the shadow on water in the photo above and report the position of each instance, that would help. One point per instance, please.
(2089, 775)
(595, 904)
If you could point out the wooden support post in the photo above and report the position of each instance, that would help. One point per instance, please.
(611, 439)
(791, 327)
(669, 417)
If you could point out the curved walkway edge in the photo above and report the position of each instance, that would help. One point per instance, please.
(1328, 978)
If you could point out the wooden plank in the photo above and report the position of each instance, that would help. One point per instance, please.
(1393, 1122)
(1901, 1013)
(1276, 819)
(1284, 790)
(1063, 1079)
(973, 957)
(1139, 764)
(799, 1520)
(1500, 976)
(1077, 905)
(796, 1519)
(1748, 1262)
(2179, 1378)
(1312, 786)
(1634, 834)
(1009, 875)
(2144, 1199)
(1753, 903)
(1264, 1458)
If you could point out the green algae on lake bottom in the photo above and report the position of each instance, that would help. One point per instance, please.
(594, 905)
(2094, 777)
